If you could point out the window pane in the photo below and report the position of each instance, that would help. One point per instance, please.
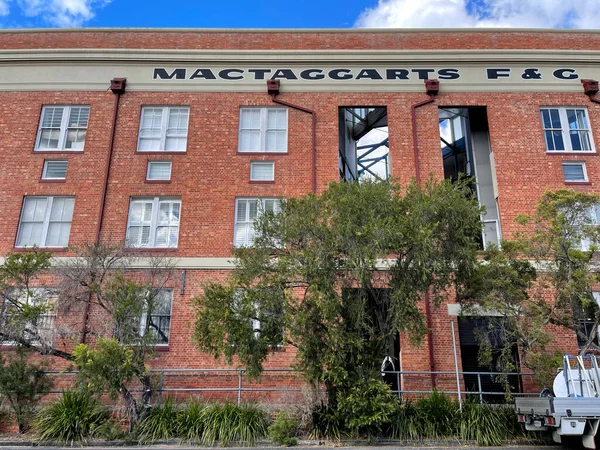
(49, 139)
(250, 118)
(30, 234)
(149, 144)
(558, 140)
(52, 116)
(573, 172)
(159, 170)
(56, 170)
(241, 211)
(252, 210)
(79, 117)
(240, 234)
(58, 234)
(62, 209)
(555, 118)
(34, 209)
(75, 139)
(276, 141)
(575, 140)
(250, 141)
(546, 118)
(261, 171)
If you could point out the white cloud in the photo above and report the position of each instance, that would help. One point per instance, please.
(4, 9)
(61, 13)
(481, 13)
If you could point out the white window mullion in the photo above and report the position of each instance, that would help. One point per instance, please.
(49, 202)
(154, 221)
(564, 126)
(164, 124)
(263, 129)
(64, 125)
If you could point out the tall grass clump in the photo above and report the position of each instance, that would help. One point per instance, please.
(190, 422)
(484, 424)
(159, 424)
(439, 415)
(229, 423)
(75, 417)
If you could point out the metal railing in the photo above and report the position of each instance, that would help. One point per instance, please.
(281, 385)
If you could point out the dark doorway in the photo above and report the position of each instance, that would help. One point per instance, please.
(471, 330)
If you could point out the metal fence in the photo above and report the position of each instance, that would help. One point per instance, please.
(282, 386)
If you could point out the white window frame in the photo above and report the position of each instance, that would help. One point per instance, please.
(46, 221)
(564, 128)
(263, 129)
(49, 297)
(144, 318)
(45, 168)
(272, 163)
(159, 162)
(154, 221)
(246, 223)
(164, 126)
(64, 129)
(576, 163)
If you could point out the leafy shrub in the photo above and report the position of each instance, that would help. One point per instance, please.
(75, 417)
(21, 385)
(159, 424)
(230, 423)
(283, 429)
(190, 422)
(366, 406)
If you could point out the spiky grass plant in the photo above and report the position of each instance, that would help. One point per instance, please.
(229, 423)
(159, 424)
(74, 418)
(190, 422)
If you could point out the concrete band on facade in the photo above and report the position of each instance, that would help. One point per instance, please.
(506, 75)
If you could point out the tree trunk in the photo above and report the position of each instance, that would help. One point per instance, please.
(132, 407)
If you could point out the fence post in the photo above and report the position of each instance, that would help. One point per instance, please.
(160, 386)
(479, 387)
(398, 385)
(456, 367)
(239, 387)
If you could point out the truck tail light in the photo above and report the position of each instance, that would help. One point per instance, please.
(521, 418)
(550, 421)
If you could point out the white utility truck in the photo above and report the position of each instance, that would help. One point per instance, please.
(574, 407)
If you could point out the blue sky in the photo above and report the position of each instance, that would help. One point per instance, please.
(300, 13)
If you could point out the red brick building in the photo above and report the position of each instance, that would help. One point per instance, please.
(176, 158)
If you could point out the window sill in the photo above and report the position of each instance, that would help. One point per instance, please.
(61, 180)
(565, 152)
(151, 250)
(161, 348)
(158, 152)
(54, 152)
(262, 153)
(48, 249)
(262, 181)
(578, 183)
(158, 181)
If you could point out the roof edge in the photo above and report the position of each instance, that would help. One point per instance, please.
(301, 30)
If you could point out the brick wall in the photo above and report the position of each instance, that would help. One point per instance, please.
(211, 174)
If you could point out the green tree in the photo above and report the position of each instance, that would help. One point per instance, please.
(22, 384)
(541, 279)
(101, 279)
(338, 275)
